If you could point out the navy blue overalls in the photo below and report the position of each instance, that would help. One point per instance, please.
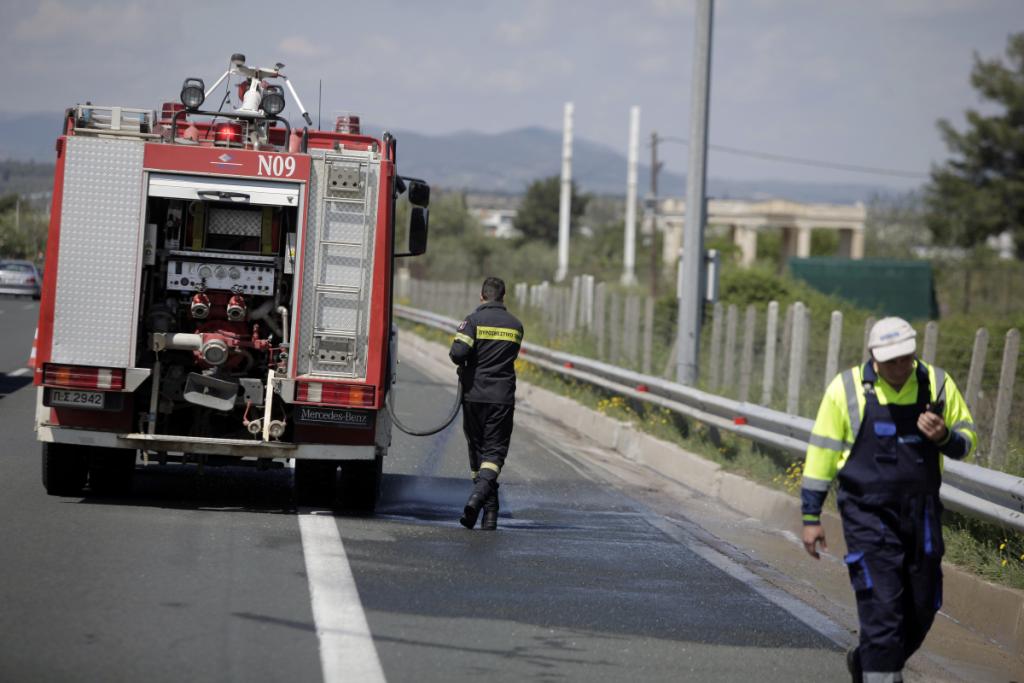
(889, 502)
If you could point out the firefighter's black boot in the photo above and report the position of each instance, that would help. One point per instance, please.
(490, 519)
(472, 509)
(853, 665)
(483, 486)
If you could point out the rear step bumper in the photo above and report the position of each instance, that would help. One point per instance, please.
(241, 448)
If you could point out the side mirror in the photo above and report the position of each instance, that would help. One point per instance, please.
(418, 229)
(419, 193)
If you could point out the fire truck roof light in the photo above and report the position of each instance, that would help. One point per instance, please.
(273, 100)
(192, 93)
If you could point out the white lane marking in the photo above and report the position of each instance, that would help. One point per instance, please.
(19, 372)
(347, 652)
(28, 307)
(800, 610)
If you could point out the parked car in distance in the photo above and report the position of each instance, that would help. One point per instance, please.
(20, 278)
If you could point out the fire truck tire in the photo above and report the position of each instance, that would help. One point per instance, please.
(111, 471)
(360, 484)
(64, 469)
(315, 482)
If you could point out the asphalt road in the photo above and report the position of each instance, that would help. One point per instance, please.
(208, 578)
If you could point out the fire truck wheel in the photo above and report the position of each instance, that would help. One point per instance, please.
(64, 469)
(315, 482)
(111, 471)
(360, 485)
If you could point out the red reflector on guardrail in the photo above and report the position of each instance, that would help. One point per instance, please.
(642, 388)
(739, 420)
(567, 364)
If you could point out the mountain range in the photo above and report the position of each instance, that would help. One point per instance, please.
(502, 163)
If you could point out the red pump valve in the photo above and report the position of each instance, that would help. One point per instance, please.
(236, 309)
(200, 308)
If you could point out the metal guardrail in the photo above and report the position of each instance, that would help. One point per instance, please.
(969, 489)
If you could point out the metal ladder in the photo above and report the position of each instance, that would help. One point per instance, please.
(335, 347)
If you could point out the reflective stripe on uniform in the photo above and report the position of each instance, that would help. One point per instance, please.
(852, 402)
(831, 444)
(490, 466)
(812, 484)
(499, 333)
(964, 424)
(940, 384)
(473, 474)
(812, 518)
(464, 338)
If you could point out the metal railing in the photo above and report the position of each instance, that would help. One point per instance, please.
(969, 489)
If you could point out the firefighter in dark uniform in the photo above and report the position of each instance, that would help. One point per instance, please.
(881, 431)
(485, 348)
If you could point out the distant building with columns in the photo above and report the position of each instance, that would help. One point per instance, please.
(744, 219)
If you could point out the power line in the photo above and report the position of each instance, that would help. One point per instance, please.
(803, 161)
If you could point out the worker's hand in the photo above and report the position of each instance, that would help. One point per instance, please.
(813, 535)
(932, 426)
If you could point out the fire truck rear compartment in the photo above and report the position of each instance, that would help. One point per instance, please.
(217, 283)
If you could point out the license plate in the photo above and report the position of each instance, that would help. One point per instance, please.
(77, 399)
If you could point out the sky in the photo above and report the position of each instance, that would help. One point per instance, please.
(846, 82)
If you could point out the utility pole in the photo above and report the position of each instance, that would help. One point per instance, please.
(690, 298)
(565, 201)
(629, 239)
(653, 206)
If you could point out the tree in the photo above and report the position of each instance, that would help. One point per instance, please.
(980, 191)
(537, 217)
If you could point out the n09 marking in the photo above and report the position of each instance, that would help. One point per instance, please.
(276, 165)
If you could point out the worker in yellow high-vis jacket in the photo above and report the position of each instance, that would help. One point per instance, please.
(881, 431)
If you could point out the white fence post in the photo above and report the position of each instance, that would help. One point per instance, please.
(835, 338)
(868, 324)
(1004, 399)
(977, 370)
(648, 335)
(931, 342)
(729, 362)
(716, 347)
(797, 354)
(770, 345)
(747, 362)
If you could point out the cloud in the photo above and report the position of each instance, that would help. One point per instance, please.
(113, 24)
(299, 46)
(533, 24)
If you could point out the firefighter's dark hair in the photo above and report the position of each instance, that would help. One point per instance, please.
(493, 289)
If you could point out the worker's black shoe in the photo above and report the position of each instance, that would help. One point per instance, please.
(472, 509)
(490, 518)
(853, 665)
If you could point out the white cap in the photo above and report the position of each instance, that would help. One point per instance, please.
(891, 338)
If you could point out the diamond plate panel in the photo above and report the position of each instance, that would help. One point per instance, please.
(94, 320)
(345, 222)
(342, 265)
(338, 311)
(238, 222)
(337, 221)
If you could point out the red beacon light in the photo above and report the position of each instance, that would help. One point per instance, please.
(169, 109)
(347, 123)
(228, 133)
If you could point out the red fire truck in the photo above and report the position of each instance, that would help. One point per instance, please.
(219, 290)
